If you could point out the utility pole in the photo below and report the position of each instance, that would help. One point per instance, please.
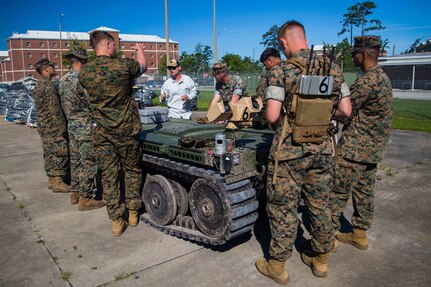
(167, 36)
(215, 31)
(61, 47)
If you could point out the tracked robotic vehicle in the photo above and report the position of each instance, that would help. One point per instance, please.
(202, 178)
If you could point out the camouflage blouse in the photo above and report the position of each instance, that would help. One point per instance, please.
(235, 86)
(282, 84)
(109, 82)
(50, 117)
(73, 98)
(367, 131)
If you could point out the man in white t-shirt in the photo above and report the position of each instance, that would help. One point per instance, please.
(178, 91)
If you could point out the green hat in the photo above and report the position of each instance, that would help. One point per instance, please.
(362, 42)
(77, 52)
(44, 62)
(219, 67)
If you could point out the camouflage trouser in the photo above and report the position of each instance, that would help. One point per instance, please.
(359, 180)
(311, 176)
(83, 167)
(113, 155)
(55, 153)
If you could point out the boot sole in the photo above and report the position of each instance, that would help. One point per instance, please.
(86, 208)
(267, 276)
(359, 246)
(317, 273)
(60, 191)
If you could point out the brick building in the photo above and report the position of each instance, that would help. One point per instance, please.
(24, 50)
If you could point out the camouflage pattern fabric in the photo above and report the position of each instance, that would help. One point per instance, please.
(310, 177)
(234, 86)
(110, 157)
(263, 84)
(51, 126)
(305, 170)
(108, 82)
(83, 167)
(365, 135)
(359, 180)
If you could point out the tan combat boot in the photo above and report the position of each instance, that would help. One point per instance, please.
(318, 263)
(133, 218)
(357, 238)
(89, 204)
(273, 269)
(74, 197)
(50, 182)
(118, 226)
(58, 185)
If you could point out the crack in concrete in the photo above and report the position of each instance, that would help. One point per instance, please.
(39, 237)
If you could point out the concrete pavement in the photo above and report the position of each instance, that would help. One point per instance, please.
(45, 241)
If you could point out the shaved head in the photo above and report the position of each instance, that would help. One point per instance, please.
(292, 38)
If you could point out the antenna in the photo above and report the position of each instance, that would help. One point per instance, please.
(330, 61)
(309, 59)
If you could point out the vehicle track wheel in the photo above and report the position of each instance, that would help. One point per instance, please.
(181, 196)
(209, 208)
(159, 199)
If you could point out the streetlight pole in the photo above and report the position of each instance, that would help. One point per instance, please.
(61, 47)
(215, 31)
(167, 36)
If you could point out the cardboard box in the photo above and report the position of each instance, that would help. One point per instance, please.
(153, 115)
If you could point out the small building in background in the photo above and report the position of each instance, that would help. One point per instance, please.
(408, 71)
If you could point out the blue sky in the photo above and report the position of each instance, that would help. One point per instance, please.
(240, 24)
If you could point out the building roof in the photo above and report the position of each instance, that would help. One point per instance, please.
(406, 59)
(84, 36)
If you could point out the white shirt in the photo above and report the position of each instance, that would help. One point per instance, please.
(174, 90)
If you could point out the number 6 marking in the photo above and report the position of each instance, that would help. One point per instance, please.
(323, 88)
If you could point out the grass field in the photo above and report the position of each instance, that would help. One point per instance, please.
(412, 115)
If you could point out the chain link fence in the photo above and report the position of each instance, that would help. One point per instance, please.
(409, 77)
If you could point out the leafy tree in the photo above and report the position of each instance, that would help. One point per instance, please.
(236, 64)
(424, 47)
(162, 64)
(356, 16)
(383, 46)
(343, 56)
(270, 38)
(197, 62)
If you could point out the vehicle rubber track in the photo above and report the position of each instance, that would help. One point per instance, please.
(240, 199)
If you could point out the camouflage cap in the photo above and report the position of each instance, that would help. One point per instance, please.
(77, 52)
(173, 63)
(365, 42)
(44, 62)
(219, 67)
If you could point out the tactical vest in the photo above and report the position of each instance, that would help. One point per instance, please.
(312, 103)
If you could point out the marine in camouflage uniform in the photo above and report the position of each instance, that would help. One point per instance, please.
(229, 88)
(51, 125)
(304, 170)
(270, 58)
(365, 135)
(75, 104)
(109, 82)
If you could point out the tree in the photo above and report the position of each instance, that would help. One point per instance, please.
(162, 64)
(383, 45)
(270, 38)
(356, 17)
(418, 46)
(197, 62)
(236, 64)
(342, 52)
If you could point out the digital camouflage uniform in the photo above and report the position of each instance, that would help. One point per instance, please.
(263, 84)
(51, 126)
(234, 86)
(304, 169)
(109, 82)
(365, 135)
(75, 104)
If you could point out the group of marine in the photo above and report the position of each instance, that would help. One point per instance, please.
(93, 120)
